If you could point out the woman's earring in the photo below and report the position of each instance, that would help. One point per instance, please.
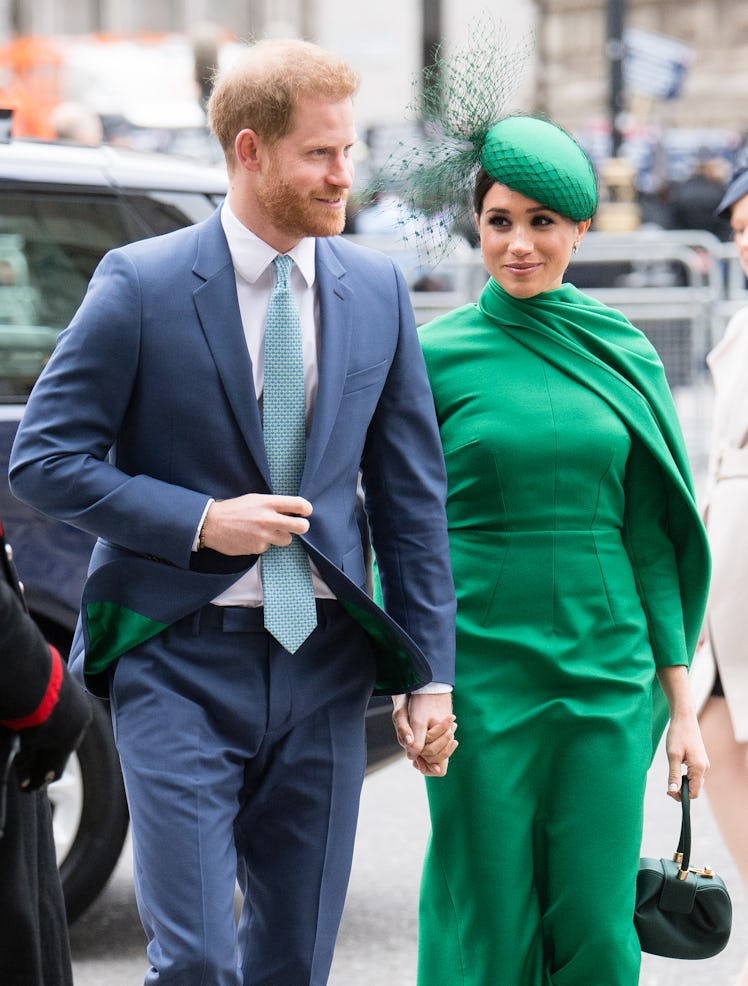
(574, 248)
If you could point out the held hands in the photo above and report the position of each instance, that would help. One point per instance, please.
(425, 728)
(249, 524)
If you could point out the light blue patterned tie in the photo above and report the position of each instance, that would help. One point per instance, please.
(290, 612)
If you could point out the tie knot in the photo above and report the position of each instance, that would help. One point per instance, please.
(283, 264)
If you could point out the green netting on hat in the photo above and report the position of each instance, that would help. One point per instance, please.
(457, 101)
(541, 161)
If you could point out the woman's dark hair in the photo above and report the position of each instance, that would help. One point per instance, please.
(483, 182)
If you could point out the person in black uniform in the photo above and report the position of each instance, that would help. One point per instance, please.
(43, 716)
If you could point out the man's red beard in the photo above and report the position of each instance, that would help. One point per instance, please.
(301, 214)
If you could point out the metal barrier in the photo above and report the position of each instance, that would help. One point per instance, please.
(679, 287)
(670, 285)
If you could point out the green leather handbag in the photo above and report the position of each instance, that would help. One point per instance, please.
(681, 912)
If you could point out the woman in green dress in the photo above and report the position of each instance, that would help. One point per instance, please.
(581, 570)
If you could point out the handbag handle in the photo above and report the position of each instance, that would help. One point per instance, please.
(683, 853)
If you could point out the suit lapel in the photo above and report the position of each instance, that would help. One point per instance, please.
(218, 310)
(336, 322)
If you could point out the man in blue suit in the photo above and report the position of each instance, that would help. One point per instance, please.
(243, 756)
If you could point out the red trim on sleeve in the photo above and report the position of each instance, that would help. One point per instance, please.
(49, 699)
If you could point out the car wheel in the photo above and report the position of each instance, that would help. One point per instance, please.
(90, 817)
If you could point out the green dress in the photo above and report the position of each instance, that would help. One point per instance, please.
(580, 565)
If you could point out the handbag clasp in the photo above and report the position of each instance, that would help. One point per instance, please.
(706, 871)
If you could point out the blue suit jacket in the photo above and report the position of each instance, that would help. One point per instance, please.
(147, 408)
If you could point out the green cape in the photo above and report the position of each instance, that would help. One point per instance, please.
(600, 348)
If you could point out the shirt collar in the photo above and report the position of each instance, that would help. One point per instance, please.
(252, 256)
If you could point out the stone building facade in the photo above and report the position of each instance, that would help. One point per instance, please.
(573, 71)
(568, 77)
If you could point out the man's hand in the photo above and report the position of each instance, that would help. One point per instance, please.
(425, 728)
(249, 524)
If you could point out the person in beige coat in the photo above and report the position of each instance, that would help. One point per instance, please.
(720, 671)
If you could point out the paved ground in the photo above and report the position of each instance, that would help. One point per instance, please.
(377, 945)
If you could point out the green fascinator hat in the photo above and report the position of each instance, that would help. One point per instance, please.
(462, 123)
(541, 161)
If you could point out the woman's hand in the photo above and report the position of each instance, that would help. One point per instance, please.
(685, 746)
(683, 742)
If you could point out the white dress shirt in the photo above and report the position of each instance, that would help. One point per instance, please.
(255, 278)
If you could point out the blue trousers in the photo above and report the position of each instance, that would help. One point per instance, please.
(243, 762)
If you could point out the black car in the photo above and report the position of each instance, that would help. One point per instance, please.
(61, 208)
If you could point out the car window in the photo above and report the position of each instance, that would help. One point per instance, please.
(164, 211)
(50, 244)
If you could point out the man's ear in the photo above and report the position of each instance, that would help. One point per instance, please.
(248, 147)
